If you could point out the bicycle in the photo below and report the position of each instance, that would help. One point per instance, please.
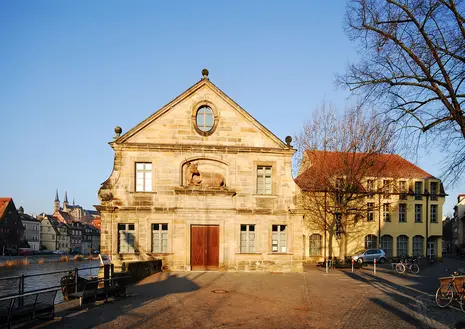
(407, 264)
(448, 292)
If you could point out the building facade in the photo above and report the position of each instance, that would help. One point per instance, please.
(31, 229)
(459, 223)
(76, 234)
(11, 228)
(53, 234)
(398, 209)
(202, 185)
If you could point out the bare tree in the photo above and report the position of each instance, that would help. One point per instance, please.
(337, 155)
(413, 67)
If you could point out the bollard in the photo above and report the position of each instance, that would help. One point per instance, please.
(327, 265)
(75, 280)
(374, 267)
(352, 266)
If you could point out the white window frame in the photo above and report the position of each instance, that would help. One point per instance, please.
(143, 176)
(315, 245)
(264, 179)
(248, 238)
(370, 212)
(418, 193)
(370, 187)
(402, 243)
(279, 238)
(125, 235)
(387, 183)
(434, 192)
(418, 214)
(415, 245)
(387, 212)
(402, 213)
(371, 239)
(433, 214)
(160, 233)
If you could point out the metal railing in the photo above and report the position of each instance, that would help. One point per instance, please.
(22, 278)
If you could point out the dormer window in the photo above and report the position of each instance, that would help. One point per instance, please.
(205, 119)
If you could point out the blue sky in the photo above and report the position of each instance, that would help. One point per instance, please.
(70, 71)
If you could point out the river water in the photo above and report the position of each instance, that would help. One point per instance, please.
(11, 286)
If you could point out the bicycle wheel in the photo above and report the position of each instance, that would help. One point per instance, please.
(444, 295)
(414, 268)
(400, 268)
(461, 301)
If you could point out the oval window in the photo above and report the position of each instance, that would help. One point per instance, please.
(205, 118)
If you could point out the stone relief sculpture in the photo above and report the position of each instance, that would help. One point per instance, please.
(203, 179)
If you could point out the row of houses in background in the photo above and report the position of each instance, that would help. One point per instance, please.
(454, 227)
(69, 228)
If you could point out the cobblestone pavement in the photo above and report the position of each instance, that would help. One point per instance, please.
(312, 299)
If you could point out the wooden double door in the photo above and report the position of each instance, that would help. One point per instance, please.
(205, 247)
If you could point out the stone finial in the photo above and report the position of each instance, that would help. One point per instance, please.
(288, 141)
(205, 73)
(118, 131)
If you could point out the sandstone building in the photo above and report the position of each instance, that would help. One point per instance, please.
(202, 185)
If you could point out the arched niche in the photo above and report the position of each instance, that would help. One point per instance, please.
(204, 173)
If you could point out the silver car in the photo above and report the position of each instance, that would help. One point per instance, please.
(369, 255)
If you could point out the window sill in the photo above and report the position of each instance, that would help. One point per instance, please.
(265, 195)
(248, 253)
(159, 253)
(418, 222)
(142, 192)
(280, 253)
(404, 222)
(433, 222)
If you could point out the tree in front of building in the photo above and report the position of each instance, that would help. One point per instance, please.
(340, 156)
(412, 66)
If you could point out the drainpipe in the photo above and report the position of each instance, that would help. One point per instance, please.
(427, 220)
(379, 220)
(326, 228)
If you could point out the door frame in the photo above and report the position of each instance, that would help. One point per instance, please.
(190, 244)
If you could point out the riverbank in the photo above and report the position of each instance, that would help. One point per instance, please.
(13, 261)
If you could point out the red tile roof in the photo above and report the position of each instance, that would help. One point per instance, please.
(324, 164)
(3, 205)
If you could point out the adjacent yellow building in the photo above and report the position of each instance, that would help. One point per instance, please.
(397, 206)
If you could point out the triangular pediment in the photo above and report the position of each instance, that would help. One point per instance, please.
(175, 123)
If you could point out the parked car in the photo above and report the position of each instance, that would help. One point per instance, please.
(46, 252)
(11, 252)
(59, 252)
(369, 255)
(25, 252)
(95, 252)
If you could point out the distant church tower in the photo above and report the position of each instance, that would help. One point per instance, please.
(65, 202)
(56, 203)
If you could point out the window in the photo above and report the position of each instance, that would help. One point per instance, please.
(386, 188)
(403, 190)
(143, 177)
(159, 238)
(418, 211)
(53, 236)
(264, 180)
(402, 245)
(418, 188)
(247, 238)
(278, 238)
(386, 244)
(434, 191)
(370, 187)
(371, 241)
(315, 245)
(205, 118)
(48, 229)
(418, 241)
(370, 212)
(126, 243)
(434, 213)
(402, 213)
(387, 212)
